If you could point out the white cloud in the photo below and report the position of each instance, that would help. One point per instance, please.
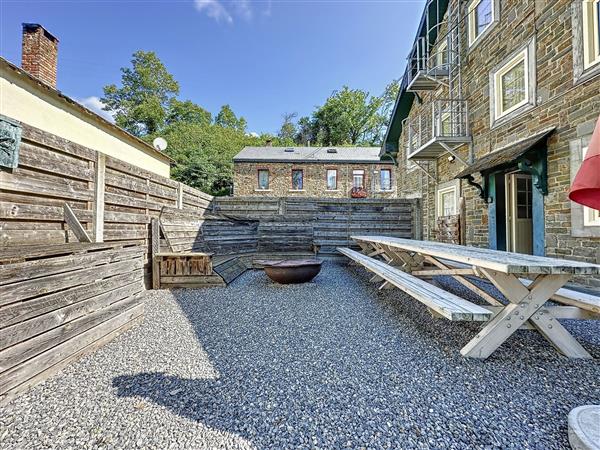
(214, 9)
(267, 11)
(243, 9)
(94, 104)
(224, 11)
(253, 134)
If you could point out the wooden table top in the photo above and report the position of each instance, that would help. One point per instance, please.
(505, 262)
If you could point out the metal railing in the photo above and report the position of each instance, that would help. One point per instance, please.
(446, 119)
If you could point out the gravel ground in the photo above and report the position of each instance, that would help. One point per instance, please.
(334, 363)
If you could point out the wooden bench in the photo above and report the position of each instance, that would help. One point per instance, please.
(509, 272)
(437, 300)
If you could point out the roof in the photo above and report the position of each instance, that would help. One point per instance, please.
(369, 155)
(405, 99)
(507, 154)
(65, 100)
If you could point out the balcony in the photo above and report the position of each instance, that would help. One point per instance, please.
(438, 130)
(427, 69)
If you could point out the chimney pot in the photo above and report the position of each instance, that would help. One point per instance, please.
(39, 53)
(269, 143)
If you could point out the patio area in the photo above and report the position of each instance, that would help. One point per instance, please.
(330, 364)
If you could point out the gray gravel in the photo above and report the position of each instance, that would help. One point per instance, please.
(334, 363)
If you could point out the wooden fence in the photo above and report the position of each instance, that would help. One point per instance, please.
(319, 224)
(114, 200)
(61, 301)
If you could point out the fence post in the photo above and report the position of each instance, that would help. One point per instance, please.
(99, 185)
(180, 196)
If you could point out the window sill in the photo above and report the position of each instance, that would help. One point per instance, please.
(263, 190)
(296, 190)
(332, 190)
(512, 115)
(386, 190)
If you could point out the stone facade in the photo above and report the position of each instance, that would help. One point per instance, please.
(314, 175)
(564, 97)
(39, 53)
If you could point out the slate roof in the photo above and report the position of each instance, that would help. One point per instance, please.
(506, 154)
(368, 155)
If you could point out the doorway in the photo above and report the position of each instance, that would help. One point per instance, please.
(519, 212)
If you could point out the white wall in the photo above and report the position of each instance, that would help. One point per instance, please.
(22, 100)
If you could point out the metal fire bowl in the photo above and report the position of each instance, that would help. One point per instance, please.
(292, 271)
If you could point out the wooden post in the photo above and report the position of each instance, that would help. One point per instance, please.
(99, 183)
(75, 225)
(154, 250)
(180, 195)
(462, 221)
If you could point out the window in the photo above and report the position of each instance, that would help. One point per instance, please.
(263, 179)
(447, 200)
(591, 217)
(524, 196)
(358, 179)
(511, 85)
(331, 179)
(441, 57)
(385, 179)
(480, 18)
(297, 179)
(591, 33)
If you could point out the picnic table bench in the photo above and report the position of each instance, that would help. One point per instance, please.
(403, 264)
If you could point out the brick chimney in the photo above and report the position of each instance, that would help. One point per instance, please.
(39, 53)
(269, 143)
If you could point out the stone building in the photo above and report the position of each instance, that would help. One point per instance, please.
(497, 105)
(333, 172)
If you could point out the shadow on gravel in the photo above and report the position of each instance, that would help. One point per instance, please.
(336, 363)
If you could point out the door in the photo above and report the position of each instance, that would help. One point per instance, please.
(519, 213)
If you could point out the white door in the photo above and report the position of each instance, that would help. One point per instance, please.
(519, 213)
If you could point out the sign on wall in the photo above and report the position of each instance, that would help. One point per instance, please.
(10, 140)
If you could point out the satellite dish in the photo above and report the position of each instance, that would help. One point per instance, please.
(160, 144)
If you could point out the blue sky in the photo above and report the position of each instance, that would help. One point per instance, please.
(264, 58)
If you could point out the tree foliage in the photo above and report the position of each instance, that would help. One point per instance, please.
(141, 104)
(188, 112)
(227, 119)
(287, 132)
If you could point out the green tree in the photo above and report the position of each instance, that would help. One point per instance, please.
(348, 117)
(141, 104)
(227, 119)
(388, 101)
(287, 132)
(306, 132)
(187, 111)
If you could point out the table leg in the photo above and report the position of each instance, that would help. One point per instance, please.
(526, 304)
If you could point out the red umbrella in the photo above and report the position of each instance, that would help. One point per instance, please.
(586, 185)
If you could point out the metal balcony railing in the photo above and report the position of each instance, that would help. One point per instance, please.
(444, 124)
(428, 67)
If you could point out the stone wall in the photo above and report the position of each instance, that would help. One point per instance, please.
(562, 100)
(315, 183)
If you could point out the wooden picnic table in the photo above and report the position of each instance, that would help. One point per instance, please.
(527, 306)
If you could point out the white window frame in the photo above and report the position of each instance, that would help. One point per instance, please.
(327, 179)
(259, 188)
(446, 189)
(358, 172)
(391, 188)
(442, 50)
(591, 217)
(521, 58)
(591, 39)
(471, 21)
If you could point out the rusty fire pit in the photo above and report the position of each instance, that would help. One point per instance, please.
(292, 271)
